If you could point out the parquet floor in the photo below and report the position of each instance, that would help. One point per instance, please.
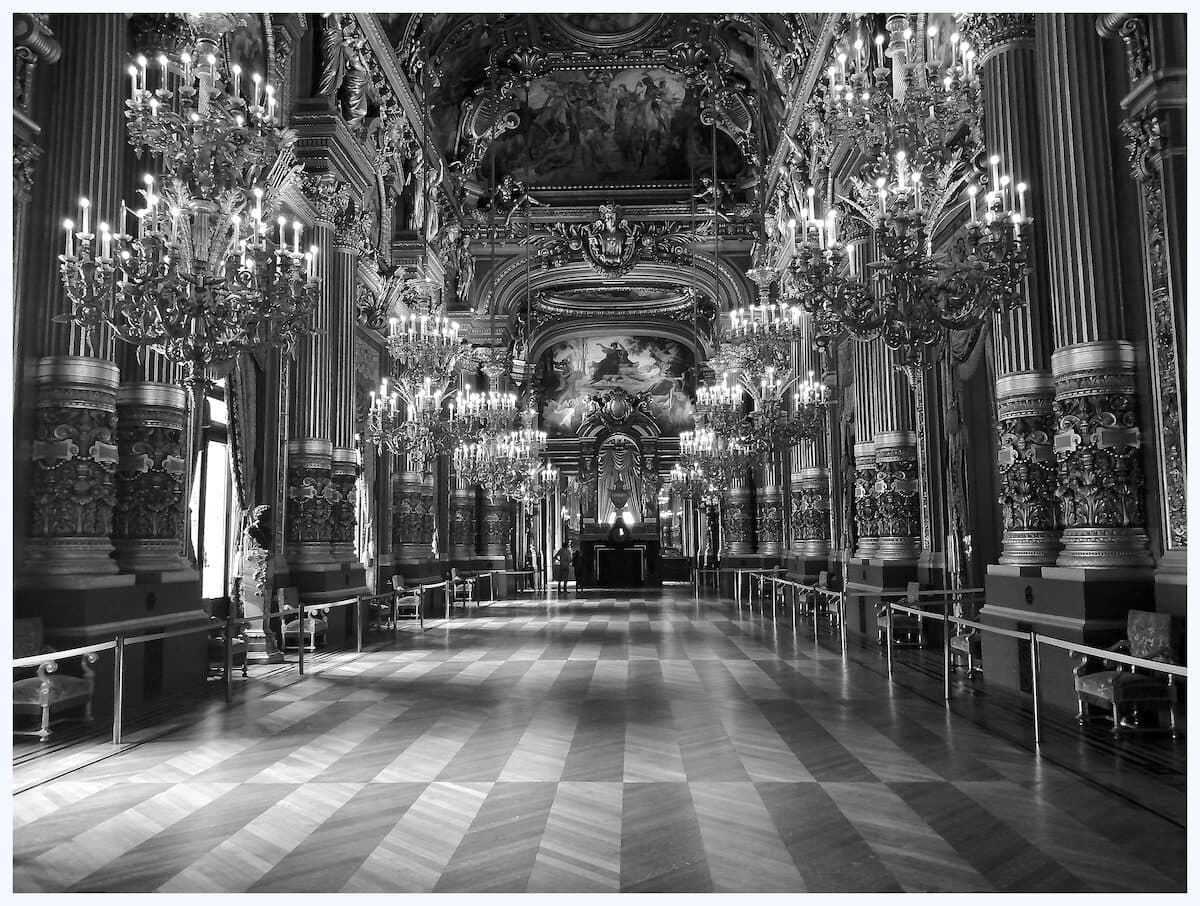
(594, 744)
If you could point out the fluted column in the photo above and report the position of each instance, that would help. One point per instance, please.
(811, 502)
(896, 490)
(149, 508)
(343, 266)
(1097, 439)
(1004, 43)
(737, 530)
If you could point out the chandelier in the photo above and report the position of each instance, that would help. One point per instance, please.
(406, 419)
(911, 296)
(706, 454)
(776, 422)
(196, 273)
(474, 415)
(503, 464)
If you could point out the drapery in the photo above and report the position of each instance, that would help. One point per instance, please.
(241, 387)
(620, 462)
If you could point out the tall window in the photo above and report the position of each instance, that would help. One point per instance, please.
(211, 503)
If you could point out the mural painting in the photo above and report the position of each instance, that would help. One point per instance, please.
(604, 128)
(575, 369)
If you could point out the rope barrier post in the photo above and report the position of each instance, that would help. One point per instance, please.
(1035, 687)
(118, 688)
(358, 623)
(227, 632)
(946, 656)
(842, 618)
(891, 618)
(300, 638)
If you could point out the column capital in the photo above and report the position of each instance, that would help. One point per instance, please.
(992, 33)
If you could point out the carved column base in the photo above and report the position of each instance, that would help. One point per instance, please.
(1097, 444)
(1105, 547)
(462, 523)
(310, 497)
(1029, 548)
(770, 521)
(343, 475)
(74, 459)
(496, 524)
(738, 531)
(408, 547)
(865, 516)
(149, 510)
(810, 512)
(896, 493)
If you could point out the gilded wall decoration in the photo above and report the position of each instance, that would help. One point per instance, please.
(1027, 472)
(74, 488)
(1100, 479)
(310, 499)
(149, 483)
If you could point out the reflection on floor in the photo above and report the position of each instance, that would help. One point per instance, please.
(647, 743)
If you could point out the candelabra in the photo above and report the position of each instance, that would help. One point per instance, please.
(720, 407)
(501, 463)
(721, 459)
(474, 415)
(406, 419)
(884, 97)
(195, 273)
(911, 295)
(775, 423)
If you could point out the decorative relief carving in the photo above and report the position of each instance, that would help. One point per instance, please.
(462, 522)
(770, 520)
(311, 496)
(33, 42)
(895, 495)
(328, 195)
(73, 485)
(739, 520)
(989, 32)
(810, 513)
(1027, 467)
(342, 508)
(407, 515)
(25, 157)
(866, 511)
(1100, 480)
(149, 480)
(497, 524)
(613, 246)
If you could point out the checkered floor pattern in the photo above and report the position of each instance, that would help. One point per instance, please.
(650, 743)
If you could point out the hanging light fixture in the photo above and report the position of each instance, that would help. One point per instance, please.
(917, 126)
(198, 272)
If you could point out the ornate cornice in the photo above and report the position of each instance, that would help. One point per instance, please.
(989, 33)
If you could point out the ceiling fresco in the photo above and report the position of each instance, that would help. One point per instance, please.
(573, 371)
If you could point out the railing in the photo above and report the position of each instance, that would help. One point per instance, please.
(1032, 638)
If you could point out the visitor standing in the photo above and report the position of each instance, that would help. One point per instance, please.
(562, 566)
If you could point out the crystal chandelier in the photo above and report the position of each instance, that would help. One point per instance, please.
(776, 422)
(912, 296)
(196, 273)
(474, 415)
(404, 419)
(501, 463)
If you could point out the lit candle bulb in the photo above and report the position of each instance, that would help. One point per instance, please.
(1016, 222)
(296, 237)
(901, 175)
(1004, 181)
(270, 90)
(256, 214)
(972, 191)
(85, 205)
(69, 226)
(1021, 198)
(994, 160)
(907, 35)
(153, 108)
(237, 79)
(141, 62)
(186, 59)
(931, 33)
(133, 78)
(257, 80)
(105, 242)
(312, 268)
(879, 184)
(831, 219)
(162, 62)
(282, 221)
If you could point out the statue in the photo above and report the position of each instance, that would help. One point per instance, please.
(257, 586)
(510, 195)
(344, 70)
(715, 194)
(457, 246)
(611, 244)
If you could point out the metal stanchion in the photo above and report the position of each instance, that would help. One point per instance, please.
(118, 688)
(300, 638)
(946, 657)
(227, 632)
(1035, 669)
(358, 623)
(891, 618)
(842, 619)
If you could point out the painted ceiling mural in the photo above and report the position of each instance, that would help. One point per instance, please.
(620, 127)
(573, 371)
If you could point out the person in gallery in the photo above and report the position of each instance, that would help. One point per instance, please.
(576, 564)
(562, 566)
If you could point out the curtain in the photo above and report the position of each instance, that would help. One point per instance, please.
(620, 462)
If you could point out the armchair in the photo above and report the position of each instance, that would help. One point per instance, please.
(904, 624)
(314, 627)
(407, 602)
(824, 606)
(967, 643)
(1123, 690)
(459, 592)
(50, 691)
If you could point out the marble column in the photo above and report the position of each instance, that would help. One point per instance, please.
(343, 268)
(1097, 435)
(495, 525)
(149, 510)
(75, 456)
(1004, 43)
(896, 489)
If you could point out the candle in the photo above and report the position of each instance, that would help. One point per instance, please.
(907, 35)
(832, 73)
(186, 59)
(1004, 181)
(133, 78)
(954, 39)
(916, 178)
(69, 226)
(141, 61)
(296, 237)
(1016, 222)
(270, 101)
(841, 58)
(308, 265)
(931, 32)
(879, 184)
(972, 191)
(1021, 198)
(312, 270)
(256, 214)
(162, 62)
(858, 53)
(154, 108)
(812, 204)
(105, 242)
(994, 160)
(832, 220)
(237, 79)
(257, 79)
(84, 204)
(879, 39)
(124, 217)
(392, 329)
(282, 221)
(901, 177)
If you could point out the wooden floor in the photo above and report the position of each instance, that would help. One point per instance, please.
(651, 743)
